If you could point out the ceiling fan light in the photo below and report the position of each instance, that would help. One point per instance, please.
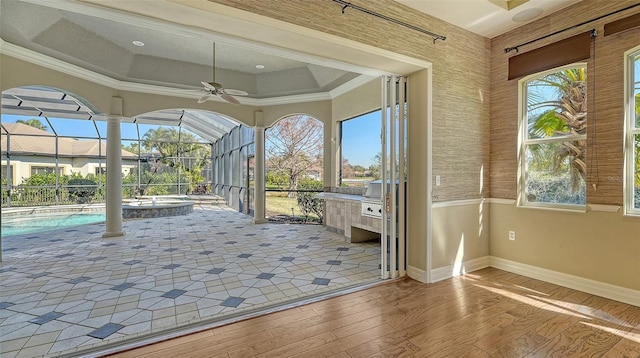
(260, 67)
(138, 43)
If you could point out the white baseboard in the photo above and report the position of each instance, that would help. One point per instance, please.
(597, 288)
(417, 274)
(443, 273)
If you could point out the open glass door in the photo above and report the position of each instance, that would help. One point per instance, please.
(393, 173)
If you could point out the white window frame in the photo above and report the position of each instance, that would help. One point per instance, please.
(524, 142)
(630, 130)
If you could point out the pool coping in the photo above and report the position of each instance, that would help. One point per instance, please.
(18, 211)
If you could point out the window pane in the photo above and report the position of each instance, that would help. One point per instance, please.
(636, 177)
(552, 176)
(636, 86)
(361, 149)
(557, 104)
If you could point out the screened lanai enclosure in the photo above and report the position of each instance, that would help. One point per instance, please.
(54, 152)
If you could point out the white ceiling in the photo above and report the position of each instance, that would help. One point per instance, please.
(483, 16)
(168, 58)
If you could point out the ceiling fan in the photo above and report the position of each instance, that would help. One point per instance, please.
(215, 89)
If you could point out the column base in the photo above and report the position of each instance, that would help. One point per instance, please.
(260, 221)
(108, 235)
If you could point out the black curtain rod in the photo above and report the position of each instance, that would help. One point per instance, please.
(346, 5)
(509, 49)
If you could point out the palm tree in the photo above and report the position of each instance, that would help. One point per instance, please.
(566, 115)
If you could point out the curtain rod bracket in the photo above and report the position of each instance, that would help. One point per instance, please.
(344, 8)
(594, 33)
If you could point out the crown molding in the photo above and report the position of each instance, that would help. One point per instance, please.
(187, 31)
(52, 63)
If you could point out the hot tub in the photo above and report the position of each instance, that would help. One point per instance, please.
(155, 207)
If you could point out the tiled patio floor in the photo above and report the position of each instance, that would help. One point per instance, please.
(70, 291)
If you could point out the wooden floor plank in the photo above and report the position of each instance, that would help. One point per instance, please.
(487, 313)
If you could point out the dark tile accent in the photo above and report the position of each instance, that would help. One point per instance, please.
(39, 252)
(47, 317)
(7, 270)
(342, 249)
(334, 262)
(216, 271)
(171, 267)
(123, 286)
(199, 240)
(205, 252)
(37, 275)
(264, 245)
(230, 242)
(314, 238)
(79, 280)
(171, 249)
(4, 305)
(139, 247)
(97, 258)
(287, 258)
(55, 240)
(174, 293)
(106, 330)
(10, 249)
(250, 235)
(63, 255)
(321, 281)
(30, 237)
(170, 238)
(265, 276)
(302, 247)
(281, 236)
(232, 302)
(132, 262)
(222, 232)
(264, 228)
(244, 256)
(109, 244)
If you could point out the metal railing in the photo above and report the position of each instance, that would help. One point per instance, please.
(44, 195)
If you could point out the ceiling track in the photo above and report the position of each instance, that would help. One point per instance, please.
(346, 5)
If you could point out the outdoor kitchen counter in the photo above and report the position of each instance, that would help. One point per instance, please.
(343, 215)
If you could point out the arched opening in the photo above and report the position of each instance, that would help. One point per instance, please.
(294, 168)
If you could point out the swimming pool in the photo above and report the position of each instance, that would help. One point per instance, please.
(29, 224)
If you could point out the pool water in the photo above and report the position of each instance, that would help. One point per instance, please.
(29, 224)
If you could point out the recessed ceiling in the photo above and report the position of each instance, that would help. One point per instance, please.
(488, 18)
(168, 58)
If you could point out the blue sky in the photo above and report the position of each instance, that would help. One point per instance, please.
(361, 139)
(361, 135)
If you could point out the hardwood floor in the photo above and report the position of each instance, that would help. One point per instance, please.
(488, 313)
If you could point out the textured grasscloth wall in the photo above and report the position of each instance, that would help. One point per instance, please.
(606, 112)
(460, 77)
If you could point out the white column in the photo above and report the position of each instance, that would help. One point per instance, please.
(258, 177)
(114, 178)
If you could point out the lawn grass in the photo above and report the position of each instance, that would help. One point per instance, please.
(279, 204)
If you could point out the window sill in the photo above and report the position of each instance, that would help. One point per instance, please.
(555, 207)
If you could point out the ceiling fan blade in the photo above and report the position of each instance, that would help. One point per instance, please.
(229, 98)
(208, 86)
(204, 98)
(235, 92)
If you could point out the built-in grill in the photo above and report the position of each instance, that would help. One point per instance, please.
(371, 205)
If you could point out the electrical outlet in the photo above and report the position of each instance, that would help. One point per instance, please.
(512, 235)
(437, 180)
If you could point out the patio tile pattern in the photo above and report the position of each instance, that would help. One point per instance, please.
(67, 291)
